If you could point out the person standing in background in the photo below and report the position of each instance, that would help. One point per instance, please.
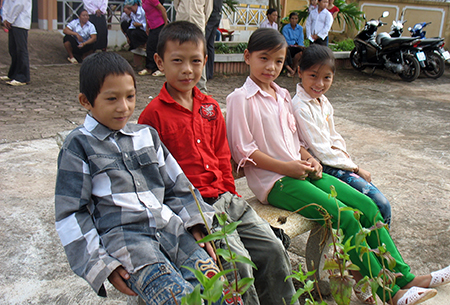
(156, 16)
(210, 35)
(198, 13)
(16, 16)
(97, 11)
(319, 23)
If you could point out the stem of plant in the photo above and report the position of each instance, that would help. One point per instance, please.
(206, 225)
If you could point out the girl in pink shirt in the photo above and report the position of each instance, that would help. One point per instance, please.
(264, 140)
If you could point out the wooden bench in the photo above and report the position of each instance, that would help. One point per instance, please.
(295, 225)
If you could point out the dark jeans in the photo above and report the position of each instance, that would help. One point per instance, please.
(18, 50)
(152, 42)
(210, 35)
(322, 42)
(364, 187)
(102, 31)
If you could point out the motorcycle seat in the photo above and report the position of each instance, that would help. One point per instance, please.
(386, 40)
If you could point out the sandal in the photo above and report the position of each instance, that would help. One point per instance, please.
(440, 277)
(363, 296)
(72, 60)
(144, 72)
(158, 73)
(416, 295)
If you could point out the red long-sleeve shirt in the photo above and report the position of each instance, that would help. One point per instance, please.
(196, 139)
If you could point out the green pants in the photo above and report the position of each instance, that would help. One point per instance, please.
(292, 194)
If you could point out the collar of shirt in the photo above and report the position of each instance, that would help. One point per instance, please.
(252, 89)
(167, 98)
(100, 131)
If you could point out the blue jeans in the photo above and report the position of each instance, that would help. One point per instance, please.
(155, 283)
(364, 187)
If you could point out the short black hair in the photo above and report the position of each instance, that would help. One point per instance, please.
(181, 32)
(266, 39)
(317, 54)
(96, 67)
(292, 14)
(270, 11)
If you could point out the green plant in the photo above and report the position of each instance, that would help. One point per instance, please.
(345, 45)
(308, 286)
(223, 48)
(229, 6)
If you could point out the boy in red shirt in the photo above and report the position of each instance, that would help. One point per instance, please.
(191, 126)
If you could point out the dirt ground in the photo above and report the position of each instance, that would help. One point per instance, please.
(398, 131)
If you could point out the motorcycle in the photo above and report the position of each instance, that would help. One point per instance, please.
(430, 51)
(382, 51)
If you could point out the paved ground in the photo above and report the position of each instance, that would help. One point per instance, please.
(399, 131)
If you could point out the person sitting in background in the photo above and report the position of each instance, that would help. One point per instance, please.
(293, 33)
(125, 21)
(80, 37)
(138, 26)
(271, 21)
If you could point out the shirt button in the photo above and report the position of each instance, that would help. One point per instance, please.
(198, 141)
(126, 155)
(207, 166)
(138, 183)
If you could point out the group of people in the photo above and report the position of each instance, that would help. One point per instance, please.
(320, 19)
(124, 211)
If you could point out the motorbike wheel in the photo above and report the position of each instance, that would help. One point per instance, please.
(412, 68)
(435, 65)
(356, 60)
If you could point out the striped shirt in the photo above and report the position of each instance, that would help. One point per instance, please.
(121, 199)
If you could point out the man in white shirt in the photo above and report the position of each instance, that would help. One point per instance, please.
(16, 16)
(319, 23)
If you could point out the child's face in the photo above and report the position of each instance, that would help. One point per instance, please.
(316, 80)
(183, 65)
(115, 102)
(273, 17)
(265, 65)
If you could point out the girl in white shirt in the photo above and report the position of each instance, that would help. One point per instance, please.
(264, 140)
(314, 115)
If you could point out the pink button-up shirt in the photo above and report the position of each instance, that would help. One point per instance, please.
(257, 121)
(316, 123)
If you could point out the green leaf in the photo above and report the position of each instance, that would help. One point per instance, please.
(330, 265)
(225, 254)
(192, 298)
(222, 217)
(244, 284)
(353, 267)
(245, 260)
(213, 236)
(297, 294)
(214, 292)
(230, 228)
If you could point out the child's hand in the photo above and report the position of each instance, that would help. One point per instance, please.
(365, 175)
(298, 169)
(116, 278)
(197, 232)
(316, 174)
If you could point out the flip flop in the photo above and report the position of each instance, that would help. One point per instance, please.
(416, 295)
(72, 60)
(440, 277)
(5, 78)
(158, 73)
(144, 72)
(16, 83)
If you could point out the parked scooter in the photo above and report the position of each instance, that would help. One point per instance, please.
(417, 31)
(382, 51)
(429, 52)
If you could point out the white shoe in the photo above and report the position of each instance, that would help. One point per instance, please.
(5, 78)
(16, 83)
(440, 277)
